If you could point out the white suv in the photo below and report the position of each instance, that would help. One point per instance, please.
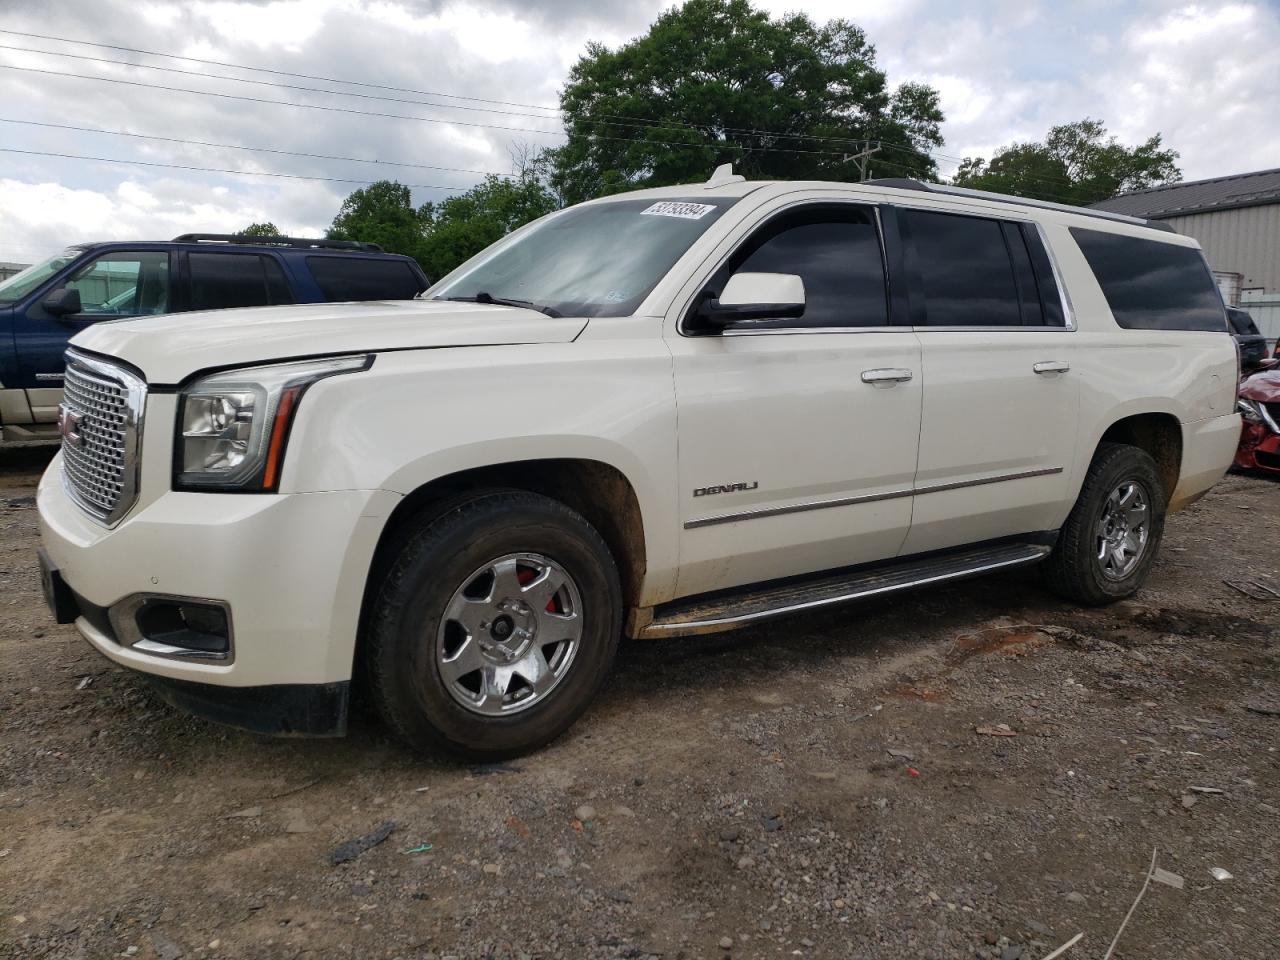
(660, 414)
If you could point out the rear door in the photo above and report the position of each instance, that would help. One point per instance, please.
(1000, 396)
(797, 437)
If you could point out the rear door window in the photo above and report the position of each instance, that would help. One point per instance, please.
(1151, 285)
(227, 280)
(965, 271)
(364, 278)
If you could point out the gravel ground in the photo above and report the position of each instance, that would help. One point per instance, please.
(813, 788)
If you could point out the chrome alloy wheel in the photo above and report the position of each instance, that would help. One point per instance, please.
(1123, 529)
(509, 634)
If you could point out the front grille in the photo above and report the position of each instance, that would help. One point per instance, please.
(100, 420)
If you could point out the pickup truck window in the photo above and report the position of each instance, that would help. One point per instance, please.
(966, 274)
(351, 278)
(123, 284)
(835, 251)
(596, 260)
(226, 280)
(1151, 285)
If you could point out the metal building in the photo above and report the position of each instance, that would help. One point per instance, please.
(1237, 221)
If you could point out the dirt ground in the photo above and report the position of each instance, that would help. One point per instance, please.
(810, 788)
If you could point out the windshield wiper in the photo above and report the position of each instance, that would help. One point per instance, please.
(483, 297)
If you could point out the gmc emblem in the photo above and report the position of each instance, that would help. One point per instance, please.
(69, 427)
(725, 488)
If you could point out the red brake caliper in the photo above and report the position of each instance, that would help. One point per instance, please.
(525, 576)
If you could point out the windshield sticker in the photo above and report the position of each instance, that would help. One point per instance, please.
(673, 208)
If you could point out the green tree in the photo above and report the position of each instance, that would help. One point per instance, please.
(1077, 163)
(382, 213)
(463, 225)
(718, 81)
(267, 229)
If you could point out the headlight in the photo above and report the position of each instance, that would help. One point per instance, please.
(233, 426)
(1249, 410)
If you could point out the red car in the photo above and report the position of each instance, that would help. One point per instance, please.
(1259, 405)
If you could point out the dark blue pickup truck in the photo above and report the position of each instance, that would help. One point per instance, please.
(48, 303)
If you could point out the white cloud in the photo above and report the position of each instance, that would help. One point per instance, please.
(1202, 74)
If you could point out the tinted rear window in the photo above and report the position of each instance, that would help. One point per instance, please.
(1242, 323)
(364, 278)
(965, 270)
(1151, 285)
(227, 280)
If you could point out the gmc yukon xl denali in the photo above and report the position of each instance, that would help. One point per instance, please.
(656, 414)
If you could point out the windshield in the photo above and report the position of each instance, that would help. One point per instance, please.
(596, 260)
(20, 284)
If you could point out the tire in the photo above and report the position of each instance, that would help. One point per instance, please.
(1077, 568)
(442, 607)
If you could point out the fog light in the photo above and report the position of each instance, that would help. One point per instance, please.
(174, 627)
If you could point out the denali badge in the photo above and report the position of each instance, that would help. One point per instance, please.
(725, 488)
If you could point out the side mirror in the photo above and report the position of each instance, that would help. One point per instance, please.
(62, 302)
(756, 296)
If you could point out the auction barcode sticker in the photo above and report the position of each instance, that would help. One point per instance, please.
(673, 208)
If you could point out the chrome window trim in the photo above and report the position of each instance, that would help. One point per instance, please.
(865, 498)
(135, 412)
(1068, 308)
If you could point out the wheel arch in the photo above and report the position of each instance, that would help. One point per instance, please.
(599, 491)
(1158, 434)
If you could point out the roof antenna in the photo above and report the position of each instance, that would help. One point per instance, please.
(723, 174)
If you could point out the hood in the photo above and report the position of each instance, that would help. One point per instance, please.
(170, 348)
(1262, 386)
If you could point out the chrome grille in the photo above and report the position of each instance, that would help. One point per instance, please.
(99, 420)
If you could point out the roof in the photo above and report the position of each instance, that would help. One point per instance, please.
(1198, 196)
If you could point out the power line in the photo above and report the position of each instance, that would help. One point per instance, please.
(269, 83)
(239, 173)
(640, 123)
(611, 119)
(232, 146)
(395, 116)
(278, 73)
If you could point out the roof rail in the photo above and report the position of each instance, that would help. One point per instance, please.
(906, 183)
(312, 242)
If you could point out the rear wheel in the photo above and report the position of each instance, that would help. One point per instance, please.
(495, 626)
(1106, 548)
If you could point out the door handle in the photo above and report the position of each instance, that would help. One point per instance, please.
(1051, 366)
(886, 375)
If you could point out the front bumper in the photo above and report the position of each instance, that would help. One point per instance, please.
(291, 569)
(1259, 449)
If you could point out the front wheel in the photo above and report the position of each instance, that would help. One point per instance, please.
(495, 626)
(1106, 548)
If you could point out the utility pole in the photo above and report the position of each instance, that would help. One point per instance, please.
(860, 159)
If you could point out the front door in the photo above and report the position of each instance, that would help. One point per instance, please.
(798, 437)
(120, 283)
(1000, 395)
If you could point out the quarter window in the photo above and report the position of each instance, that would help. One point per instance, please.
(835, 251)
(966, 275)
(123, 284)
(1152, 285)
(363, 278)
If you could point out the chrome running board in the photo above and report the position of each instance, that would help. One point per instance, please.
(753, 604)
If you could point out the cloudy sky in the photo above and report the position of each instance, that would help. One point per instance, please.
(1205, 75)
